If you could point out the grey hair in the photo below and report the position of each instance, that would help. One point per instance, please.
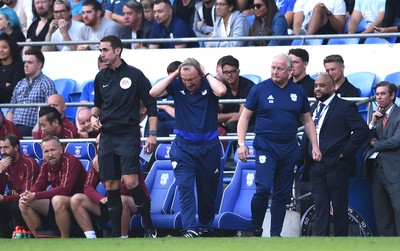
(191, 62)
(288, 58)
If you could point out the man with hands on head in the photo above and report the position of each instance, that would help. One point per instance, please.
(277, 104)
(195, 152)
(118, 91)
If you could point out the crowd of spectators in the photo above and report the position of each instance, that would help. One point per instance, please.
(90, 20)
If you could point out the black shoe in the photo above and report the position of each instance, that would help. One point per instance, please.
(206, 233)
(150, 233)
(258, 232)
(190, 234)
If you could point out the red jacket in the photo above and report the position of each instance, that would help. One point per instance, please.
(19, 177)
(68, 178)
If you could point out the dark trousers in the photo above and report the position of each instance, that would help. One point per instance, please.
(10, 217)
(330, 185)
(197, 163)
(274, 176)
(386, 199)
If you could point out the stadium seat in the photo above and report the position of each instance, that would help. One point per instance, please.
(253, 77)
(314, 41)
(70, 112)
(85, 152)
(363, 81)
(393, 78)
(235, 210)
(343, 41)
(64, 87)
(375, 40)
(31, 149)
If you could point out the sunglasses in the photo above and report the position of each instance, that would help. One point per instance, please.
(258, 6)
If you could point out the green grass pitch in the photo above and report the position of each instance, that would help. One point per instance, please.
(204, 244)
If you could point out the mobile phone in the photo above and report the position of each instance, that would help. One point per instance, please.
(382, 111)
(377, 29)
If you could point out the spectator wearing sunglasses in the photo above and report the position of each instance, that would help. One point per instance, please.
(268, 22)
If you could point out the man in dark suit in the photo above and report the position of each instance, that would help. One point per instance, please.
(340, 131)
(382, 160)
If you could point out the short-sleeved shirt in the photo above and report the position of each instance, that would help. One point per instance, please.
(347, 90)
(24, 93)
(243, 91)
(337, 7)
(118, 94)
(308, 84)
(67, 178)
(19, 177)
(285, 5)
(177, 29)
(277, 109)
(88, 92)
(72, 32)
(107, 27)
(115, 6)
(195, 114)
(370, 9)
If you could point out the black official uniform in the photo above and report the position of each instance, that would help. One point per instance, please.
(118, 94)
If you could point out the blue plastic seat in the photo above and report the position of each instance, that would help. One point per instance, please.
(64, 87)
(375, 40)
(84, 151)
(343, 41)
(31, 149)
(253, 77)
(235, 210)
(363, 81)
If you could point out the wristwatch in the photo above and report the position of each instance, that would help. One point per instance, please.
(153, 132)
(241, 144)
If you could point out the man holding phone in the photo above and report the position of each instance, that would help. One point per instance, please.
(382, 158)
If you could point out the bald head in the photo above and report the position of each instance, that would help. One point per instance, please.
(83, 117)
(324, 87)
(57, 101)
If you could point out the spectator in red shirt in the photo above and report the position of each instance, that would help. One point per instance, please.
(19, 173)
(66, 175)
(7, 126)
(57, 101)
(51, 123)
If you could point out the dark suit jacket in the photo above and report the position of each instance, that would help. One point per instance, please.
(388, 145)
(343, 131)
